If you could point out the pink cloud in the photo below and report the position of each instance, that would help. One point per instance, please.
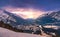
(25, 12)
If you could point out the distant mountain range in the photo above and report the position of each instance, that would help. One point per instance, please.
(49, 18)
(14, 20)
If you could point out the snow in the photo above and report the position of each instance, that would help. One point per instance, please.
(8, 33)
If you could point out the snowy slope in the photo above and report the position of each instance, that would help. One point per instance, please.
(11, 18)
(49, 18)
(5, 17)
(7, 33)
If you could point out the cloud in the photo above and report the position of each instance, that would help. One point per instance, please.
(25, 12)
(16, 3)
(45, 5)
(37, 6)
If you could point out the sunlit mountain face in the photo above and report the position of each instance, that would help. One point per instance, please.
(26, 13)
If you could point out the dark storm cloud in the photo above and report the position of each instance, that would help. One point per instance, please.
(38, 4)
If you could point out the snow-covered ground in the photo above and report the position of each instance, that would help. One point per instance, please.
(7, 33)
(50, 26)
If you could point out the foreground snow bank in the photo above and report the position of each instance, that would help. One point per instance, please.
(7, 33)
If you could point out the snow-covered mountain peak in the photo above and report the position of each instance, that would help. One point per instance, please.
(5, 17)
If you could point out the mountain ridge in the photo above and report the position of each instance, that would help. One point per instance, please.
(15, 20)
(53, 17)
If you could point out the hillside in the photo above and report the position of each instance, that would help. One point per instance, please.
(49, 19)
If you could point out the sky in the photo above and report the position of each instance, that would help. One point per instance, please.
(30, 7)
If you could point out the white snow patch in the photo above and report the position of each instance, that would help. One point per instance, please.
(7, 33)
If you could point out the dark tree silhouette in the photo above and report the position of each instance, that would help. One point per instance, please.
(7, 26)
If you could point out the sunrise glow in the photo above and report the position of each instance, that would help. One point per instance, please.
(28, 14)
(25, 13)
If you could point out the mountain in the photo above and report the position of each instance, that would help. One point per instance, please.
(55, 15)
(19, 20)
(30, 21)
(49, 18)
(14, 19)
(11, 18)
